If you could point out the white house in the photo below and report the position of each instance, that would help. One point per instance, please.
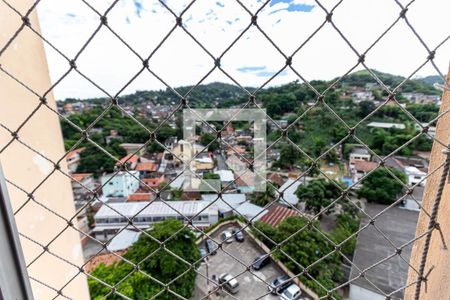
(114, 216)
(121, 184)
(358, 154)
(415, 175)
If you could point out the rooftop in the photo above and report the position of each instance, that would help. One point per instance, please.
(277, 214)
(155, 208)
(386, 125)
(399, 225)
(365, 166)
(147, 166)
(288, 189)
(80, 176)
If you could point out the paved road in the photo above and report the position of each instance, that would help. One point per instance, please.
(221, 165)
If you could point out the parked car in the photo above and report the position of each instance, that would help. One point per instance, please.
(211, 246)
(261, 261)
(279, 284)
(203, 253)
(239, 236)
(292, 292)
(229, 283)
(226, 237)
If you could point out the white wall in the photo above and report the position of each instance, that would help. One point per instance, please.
(360, 293)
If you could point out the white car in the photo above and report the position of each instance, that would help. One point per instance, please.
(229, 283)
(226, 236)
(293, 292)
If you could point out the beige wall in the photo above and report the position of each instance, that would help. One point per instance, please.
(438, 284)
(25, 58)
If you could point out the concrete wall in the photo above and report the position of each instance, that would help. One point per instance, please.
(360, 293)
(25, 58)
(437, 286)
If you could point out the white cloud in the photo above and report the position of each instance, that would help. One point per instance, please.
(144, 23)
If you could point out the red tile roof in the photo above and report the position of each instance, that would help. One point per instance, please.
(277, 214)
(147, 166)
(153, 182)
(365, 166)
(80, 176)
(137, 197)
(74, 152)
(130, 158)
(105, 258)
(276, 178)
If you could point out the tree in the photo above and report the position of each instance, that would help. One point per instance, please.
(207, 138)
(263, 198)
(304, 247)
(288, 156)
(161, 265)
(318, 193)
(381, 187)
(365, 108)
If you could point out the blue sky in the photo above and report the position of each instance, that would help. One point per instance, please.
(253, 59)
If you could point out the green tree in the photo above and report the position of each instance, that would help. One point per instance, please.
(161, 265)
(381, 187)
(317, 194)
(304, 247)
(263, 198)
(207, 138)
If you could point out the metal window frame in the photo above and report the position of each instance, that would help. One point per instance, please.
(14, 280)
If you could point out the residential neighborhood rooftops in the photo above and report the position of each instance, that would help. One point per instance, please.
(277, 214)
(399, 225)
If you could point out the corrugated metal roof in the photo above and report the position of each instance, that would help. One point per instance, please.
(156, 208)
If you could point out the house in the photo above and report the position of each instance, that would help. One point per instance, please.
(146, 168)
(361, 168)
(245, 182)
(121, 184)
(203, 162)
(140, 196)
(277, 214)
(251, 211)
(277, 179)
(154, 182)
(358, 154)
(131, 148)
(235, 163)
(236, 150)
(362, 95)
(226, 204)
(73, 159)
(185, 150)
(130, 161)
(385, 125)
(112, 218)
(82, 184)
(288, 189)
(398, 227)
(415, 176)
(226, 176)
